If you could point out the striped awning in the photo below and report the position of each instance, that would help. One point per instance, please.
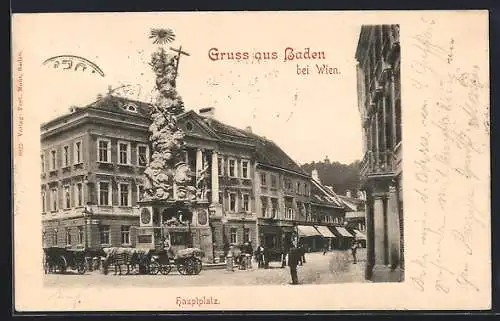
(359, 235)
(342, 231)
(323, 230)
(307, 231)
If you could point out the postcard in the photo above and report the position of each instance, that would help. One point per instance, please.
(218, 161)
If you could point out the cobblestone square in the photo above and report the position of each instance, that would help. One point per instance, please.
(333, 267)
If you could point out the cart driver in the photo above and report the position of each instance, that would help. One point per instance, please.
(165, 244)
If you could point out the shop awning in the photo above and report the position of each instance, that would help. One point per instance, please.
(359, 235)
(343, 231)
(323, 230)
(307, 231)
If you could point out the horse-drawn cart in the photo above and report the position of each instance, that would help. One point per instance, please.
(59, 259)
(187, 261)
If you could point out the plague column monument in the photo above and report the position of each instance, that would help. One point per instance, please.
(170, 213)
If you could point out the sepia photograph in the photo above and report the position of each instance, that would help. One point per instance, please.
(137, 188)
(259, 156)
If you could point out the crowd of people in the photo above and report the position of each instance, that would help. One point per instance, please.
(290, 255)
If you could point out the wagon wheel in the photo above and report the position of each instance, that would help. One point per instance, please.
(198, 266)
(165, 269)
(62, 264)
(154, 268)
(81, 267)
(181, 267)
(190, 266)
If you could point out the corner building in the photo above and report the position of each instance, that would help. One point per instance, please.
(379, 103)
(92, 159)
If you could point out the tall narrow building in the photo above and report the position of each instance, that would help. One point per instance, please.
(379, 103)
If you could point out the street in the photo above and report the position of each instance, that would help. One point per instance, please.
(334, 267)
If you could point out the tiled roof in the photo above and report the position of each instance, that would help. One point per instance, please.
(117, 104)
(322, 195)
(267, 152)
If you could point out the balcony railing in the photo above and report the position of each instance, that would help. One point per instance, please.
(376, 90)
(377, 163)
(381, 70)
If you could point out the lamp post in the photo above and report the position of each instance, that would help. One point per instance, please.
(211, 211)
(87, 212)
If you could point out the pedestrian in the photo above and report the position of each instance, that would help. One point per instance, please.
(258, 256)
(303, 253)
(293, 261)
(265, 257)
(284, 251)
(354, 248)
(325, 247)
(250, 248)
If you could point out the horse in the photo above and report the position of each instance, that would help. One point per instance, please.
(119, 256)
(236, 252)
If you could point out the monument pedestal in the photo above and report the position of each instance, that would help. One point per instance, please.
(182, 224)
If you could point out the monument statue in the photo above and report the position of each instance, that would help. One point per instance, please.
(167, 175)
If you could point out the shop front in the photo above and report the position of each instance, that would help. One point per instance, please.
(310, 238)
(328, 236)
(276, 238)
(343, 239)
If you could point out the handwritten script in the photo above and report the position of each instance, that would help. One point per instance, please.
(452, 164)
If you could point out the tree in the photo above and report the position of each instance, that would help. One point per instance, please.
(340, 176)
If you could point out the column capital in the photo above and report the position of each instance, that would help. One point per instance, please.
(379, 196)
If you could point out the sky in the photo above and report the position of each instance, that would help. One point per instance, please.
(308, 116)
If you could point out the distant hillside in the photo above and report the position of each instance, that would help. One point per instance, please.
(341, 176)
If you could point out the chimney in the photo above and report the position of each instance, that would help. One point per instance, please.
(348, 193)
(208, 112)
(72, 109)
(248, 129)
(315, 175)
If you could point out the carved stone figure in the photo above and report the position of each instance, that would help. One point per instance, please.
(167, 140)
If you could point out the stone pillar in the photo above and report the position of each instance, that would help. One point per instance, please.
(393, 227)
(215, 178)
(379, 229)
(199, 167)
(370, 254)
(393, 108)
(385, 157)
(199, 162)
(377, 160)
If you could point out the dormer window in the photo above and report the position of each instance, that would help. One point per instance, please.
(130, 107)
(189, 126)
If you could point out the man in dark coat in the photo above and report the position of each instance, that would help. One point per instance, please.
(354, 248)
(259, 254)
(284, 252)
(302, 252)
(265, 257)
(293, 261)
